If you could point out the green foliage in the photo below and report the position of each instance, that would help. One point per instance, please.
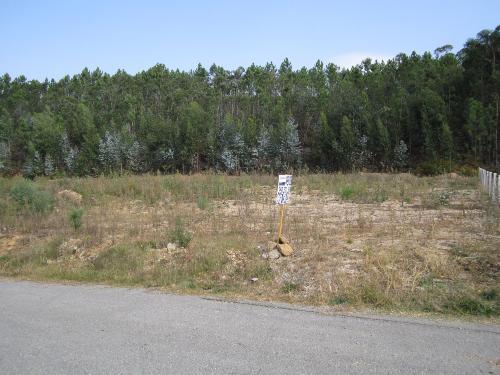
(467, 171)
(75, 217)
(179, 234)
(13, 263)
(470, 305)
(289, 287)
(338, 300)
(27, 196)
(490, 295)
(436, 199)
(202, 202)
(259, 118)
(347, 192)
(432, 167)
(119, 259)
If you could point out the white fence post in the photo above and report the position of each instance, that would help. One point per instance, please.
(498, 188)
(491, 184)
(490, 181)
(494, 196)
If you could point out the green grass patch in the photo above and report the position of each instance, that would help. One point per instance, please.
(289, 287)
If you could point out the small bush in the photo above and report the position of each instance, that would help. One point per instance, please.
(489, 295)
(180, 235)
(26, 195)
(338, 300)
(467, 171)
(348, 192)
(470, 306)
(436, 199)
(75, 217)
(380, 195)
(289, 287)
(432, 167)
(120, 264)
(202, 202)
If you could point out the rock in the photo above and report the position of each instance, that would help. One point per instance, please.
(283, 239)
(70, 246)
(265, 255)
(71, 196)
(271, 245)
(171, 246)
(273, 254)
(285, 249)
(254, 279)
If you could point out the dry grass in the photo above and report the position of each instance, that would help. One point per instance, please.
(392, 242)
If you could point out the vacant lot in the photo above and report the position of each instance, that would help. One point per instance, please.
(385, 241)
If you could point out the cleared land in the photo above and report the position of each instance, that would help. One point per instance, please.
(385, 241)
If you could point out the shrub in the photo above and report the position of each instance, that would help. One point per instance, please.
(338, 300)
(469, 305)
(26, 195)
(289, 287)
(380, 195)
(122, 264)
(489, 294)
(202, 202)
(467, 171)
(180, 235)
(436, 199)
(432, 167)
(348, 191)
(75, 218)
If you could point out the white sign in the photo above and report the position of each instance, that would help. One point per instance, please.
(284, 188)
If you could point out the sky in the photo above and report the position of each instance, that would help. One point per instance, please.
(49, 39)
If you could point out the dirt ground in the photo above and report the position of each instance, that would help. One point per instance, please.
(392, 252)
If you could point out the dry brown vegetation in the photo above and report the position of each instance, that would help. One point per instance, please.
(393, 242)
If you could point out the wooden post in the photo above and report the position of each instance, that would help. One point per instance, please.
(280, 229)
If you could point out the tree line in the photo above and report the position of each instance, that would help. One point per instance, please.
(429, 111)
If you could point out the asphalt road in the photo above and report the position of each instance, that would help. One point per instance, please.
(66, 329)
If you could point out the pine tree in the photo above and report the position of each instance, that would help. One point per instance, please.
(429, 147)
(362, 156)
(234, 152)
(4, 156)
(37, 164)
(446, 143)
(165, 158)
(110, 151)
(290, 145)
(48, 166)
(28, 170)
(65, 144)
(400, 161)
(70, 159)
(135, 157)
(324, 143)
(263, 149)
(229, 161)
(69, 154)
(347, 142)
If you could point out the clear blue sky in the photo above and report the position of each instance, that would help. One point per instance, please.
(53, 38)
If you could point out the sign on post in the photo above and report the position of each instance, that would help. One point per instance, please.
(283, 197)
(284, 188)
